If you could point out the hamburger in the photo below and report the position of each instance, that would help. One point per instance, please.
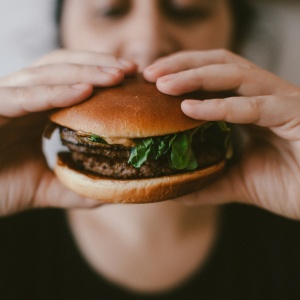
(132, 144)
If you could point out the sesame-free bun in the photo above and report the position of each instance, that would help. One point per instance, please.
(148, 190)
(133, 109)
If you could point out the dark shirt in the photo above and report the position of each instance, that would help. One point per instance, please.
(256, 256)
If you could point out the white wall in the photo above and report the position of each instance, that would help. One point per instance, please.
(275, 43)
(288, 18)
(27, 31)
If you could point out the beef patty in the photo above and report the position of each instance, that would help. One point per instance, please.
(112, 160)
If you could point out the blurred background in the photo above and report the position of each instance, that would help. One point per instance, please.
(27, 32)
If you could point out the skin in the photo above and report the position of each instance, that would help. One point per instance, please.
(150, 39)
(268, 172)
(146, 30)
(26, 98)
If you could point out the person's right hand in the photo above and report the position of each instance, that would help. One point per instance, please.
(62, 78)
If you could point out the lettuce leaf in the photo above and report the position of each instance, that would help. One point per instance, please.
(177, 147)
(182, 155)
(96, 139)
(141, 152)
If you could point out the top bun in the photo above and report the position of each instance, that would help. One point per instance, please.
(133, 109)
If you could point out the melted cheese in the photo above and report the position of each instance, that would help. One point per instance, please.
(120, 141)
(126, 142)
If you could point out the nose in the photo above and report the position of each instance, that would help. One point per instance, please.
(148, 35)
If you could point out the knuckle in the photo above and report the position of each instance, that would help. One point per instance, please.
(220, 103)
(237, 74)
(222, 108)
(199, 73)
(256, 107)
(49, 90)
(237, 69)
(226, 56)
(54, 94)
(27, 76)
(245, 66)
(223, 53)
(256, 104)
(22, 95)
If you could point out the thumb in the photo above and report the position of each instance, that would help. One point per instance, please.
(52, 193)
(227, 189)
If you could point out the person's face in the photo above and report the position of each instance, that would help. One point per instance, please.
(143, 30)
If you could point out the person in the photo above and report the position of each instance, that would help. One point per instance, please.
(187, 248)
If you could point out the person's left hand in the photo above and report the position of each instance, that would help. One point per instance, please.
(268, 174)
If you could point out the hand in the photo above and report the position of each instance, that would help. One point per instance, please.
(268, 174)
(61, 79)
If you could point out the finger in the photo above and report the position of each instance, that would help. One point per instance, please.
(51, 193)
(66, 74)
(228, 77)
(16, 102)
(278, 113)
(63, 56)
(244, 184)
(186, 60)
(220, 192)
(215, 194)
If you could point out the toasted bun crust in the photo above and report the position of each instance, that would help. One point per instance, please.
(134, 191)
(132, 109)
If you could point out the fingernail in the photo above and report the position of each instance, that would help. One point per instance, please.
(189, 102)
(79, 86)
(125, 63)
(168, 77)
(151, 68)
(110, 70)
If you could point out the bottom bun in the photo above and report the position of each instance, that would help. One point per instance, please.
(146, 190)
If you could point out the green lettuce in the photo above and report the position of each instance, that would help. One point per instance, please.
(177, 146)
(182, 156)
(141, 152)
(96, 139)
